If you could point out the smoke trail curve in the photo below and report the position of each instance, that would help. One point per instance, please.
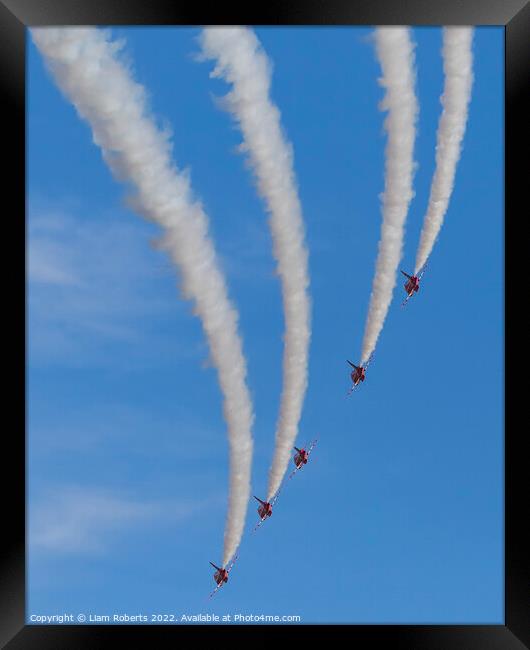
(395, 52)
(458, 68)
(241, 60)
(84, 62)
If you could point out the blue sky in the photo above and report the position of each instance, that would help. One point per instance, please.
(398, 517)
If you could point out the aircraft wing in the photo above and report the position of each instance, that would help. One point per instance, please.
(406, 300)
(312, 445)
(293, 473)
(258, 525)
(216, 589)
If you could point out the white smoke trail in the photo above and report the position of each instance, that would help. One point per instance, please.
(396, 56)
(242, 62)
(85, 66)
(458, 64)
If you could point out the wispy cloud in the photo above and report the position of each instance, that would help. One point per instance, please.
(105, 428)
(92, 282)
(73, 519)
(49, 264)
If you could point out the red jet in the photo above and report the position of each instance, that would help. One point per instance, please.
(220, 576)
(412, 285)
(359, 373)
(300, 458)
(264, 510)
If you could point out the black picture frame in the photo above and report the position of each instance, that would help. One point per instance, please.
(15, 16)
